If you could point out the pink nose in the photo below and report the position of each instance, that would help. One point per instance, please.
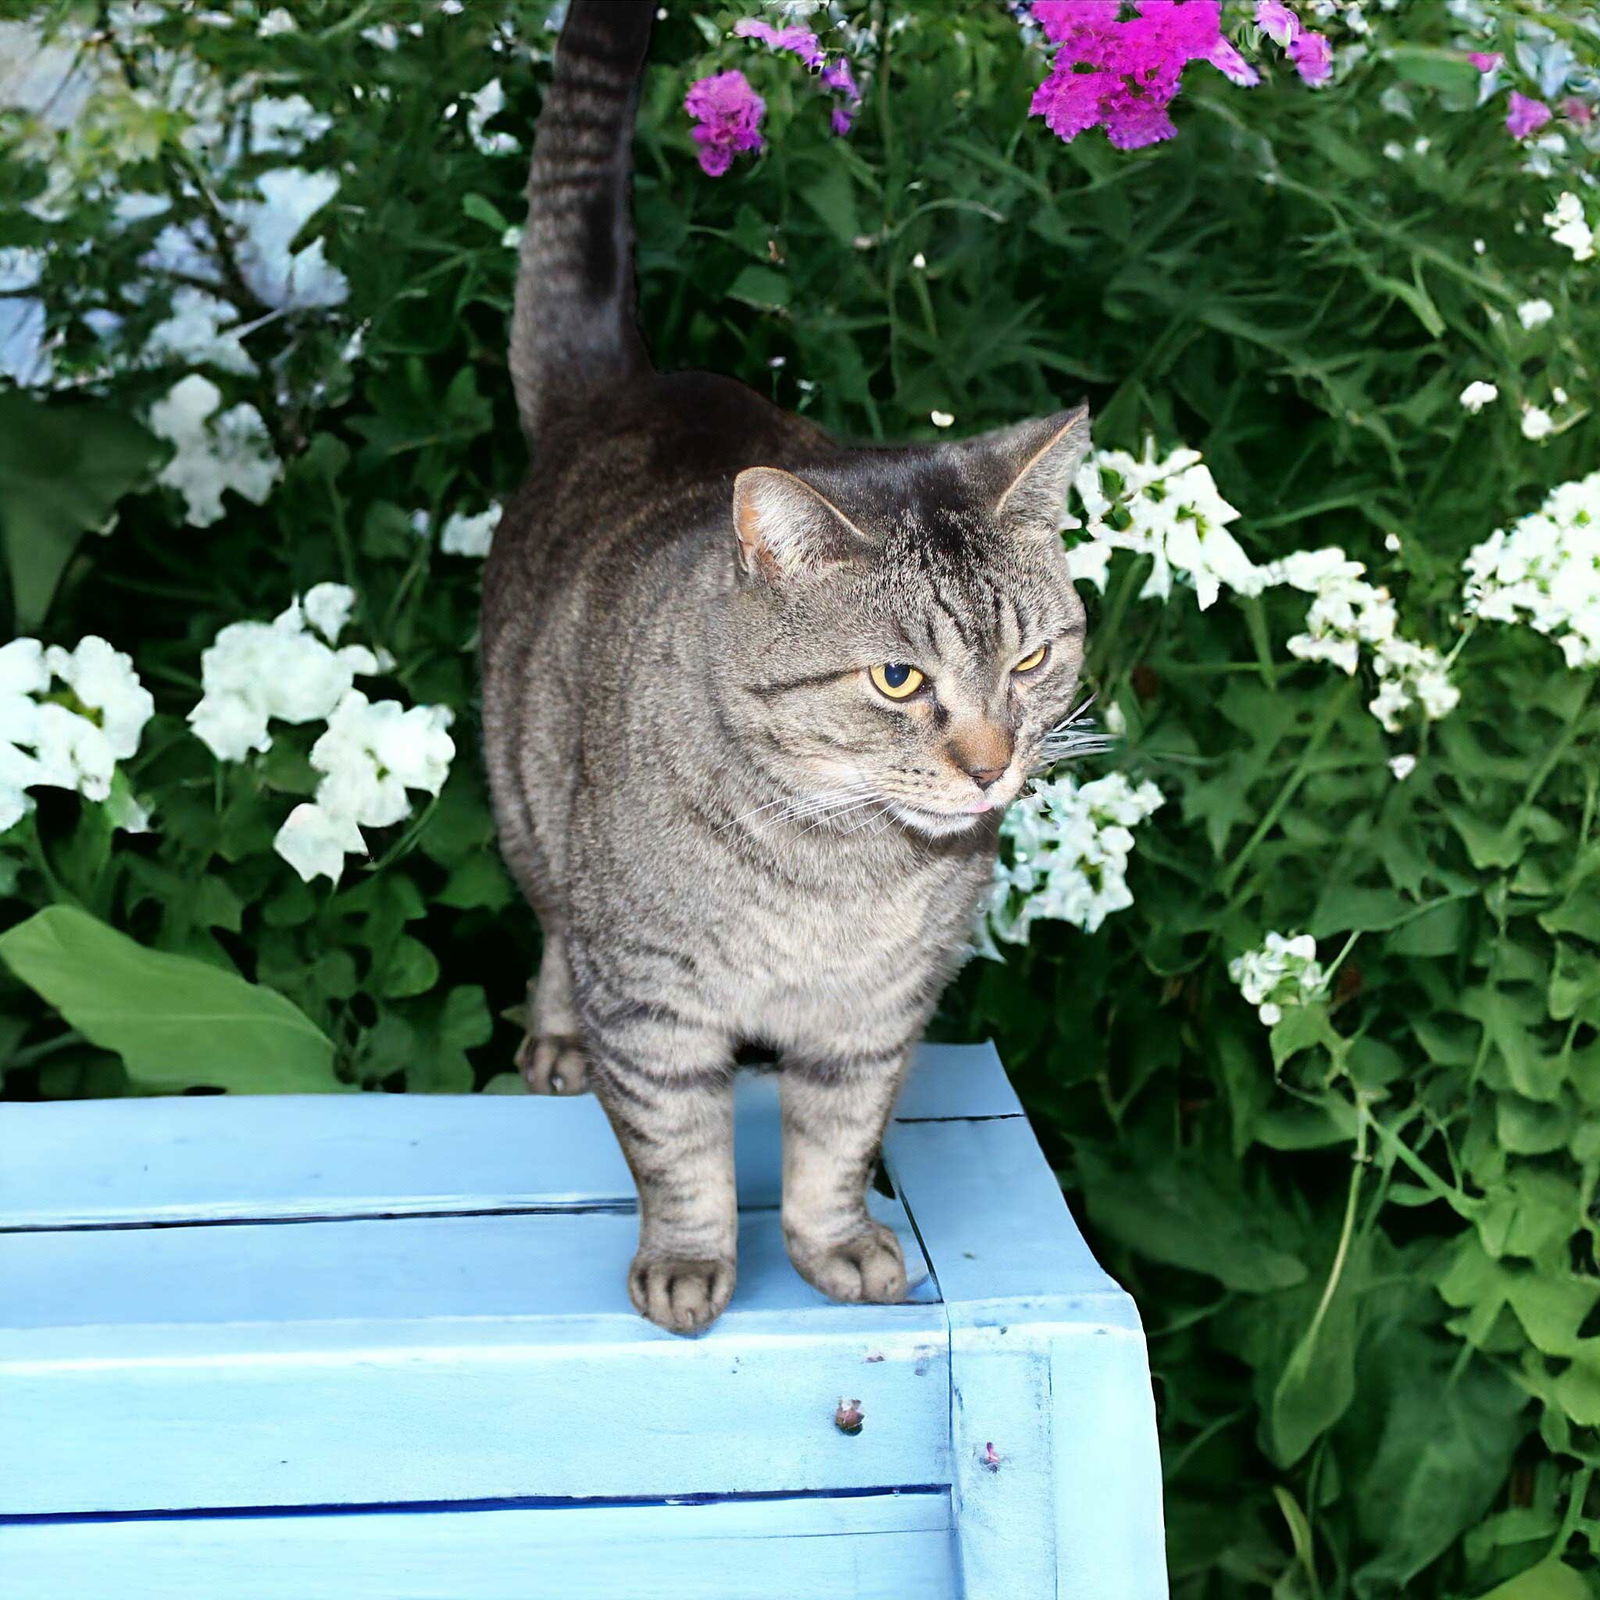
(984, 776)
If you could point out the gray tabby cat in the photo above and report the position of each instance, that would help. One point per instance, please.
(753, 703)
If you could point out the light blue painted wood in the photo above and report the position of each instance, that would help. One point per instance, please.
(383, 1356)
(872, 1547)
(1056, 1481)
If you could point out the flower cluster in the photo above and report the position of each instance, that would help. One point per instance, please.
(1569, 227)
(462, 533)
(835, 72)
(1348, 613)
(1308, 51)
(67, 717)
(213, 450)
(1284, 972)
(727, 114)
(1169, 509)
(1065, 856)
(1546, 572)
(294, 670)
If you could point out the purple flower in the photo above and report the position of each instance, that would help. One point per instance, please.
(837, 75)
(1485, 60)
(801, 41)
(1277, 21)
(1232, 65)
(728, 115)
(1577, 110)
(842, 117)
(1312, 56)
(1526, 116)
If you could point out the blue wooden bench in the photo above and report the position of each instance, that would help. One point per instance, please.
(380, 1348)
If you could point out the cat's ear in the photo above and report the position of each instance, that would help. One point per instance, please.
(1038, 462)
(787, 529)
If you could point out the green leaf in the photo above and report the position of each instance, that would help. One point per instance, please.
(175, 1022)
(1550, 1579)
(62, 469)
(1318, 1381)
(1435, 69)
(760, 287)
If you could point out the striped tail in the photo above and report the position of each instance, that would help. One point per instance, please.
(573, 330)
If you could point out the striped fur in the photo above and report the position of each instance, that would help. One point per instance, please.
(730, 836)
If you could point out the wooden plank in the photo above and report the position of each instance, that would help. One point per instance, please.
(870, 1547)
(432, 1359)
(117, 1162)
(1056, 1482)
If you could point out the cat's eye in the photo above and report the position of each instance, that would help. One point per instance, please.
(897, 680)
(1030, 663)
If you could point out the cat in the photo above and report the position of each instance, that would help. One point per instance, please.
(754, 703)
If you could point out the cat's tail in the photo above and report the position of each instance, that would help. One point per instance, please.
(573, 331)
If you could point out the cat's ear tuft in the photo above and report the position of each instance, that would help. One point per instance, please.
(787, 529)
(1039, 461)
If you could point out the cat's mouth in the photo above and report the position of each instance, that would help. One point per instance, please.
(940, 824)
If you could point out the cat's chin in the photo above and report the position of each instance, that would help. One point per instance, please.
(937, 824)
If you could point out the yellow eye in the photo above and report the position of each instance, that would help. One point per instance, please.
(1028, 663)
(897, 680)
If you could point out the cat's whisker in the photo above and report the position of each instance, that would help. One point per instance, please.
(1076, 735)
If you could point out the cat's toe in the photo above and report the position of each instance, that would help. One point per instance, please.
(868, 1266)
(682, 1296)
(553, 1065)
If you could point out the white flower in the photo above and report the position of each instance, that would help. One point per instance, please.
(383, 35)
(315, 842)
(1537, 423)
(941, 419)
(1066, 855)
(464, 535)
(327, 607)
(284, 127)
(1478, 395)
(1171, 511)
(44, 741)
(1535, 313)
(370, 755)
(276, 21)
(213, 453)
(200, 331)
(1284, 972)
(277, 274)
(1569, 228)
(1546, 571)
(488, 102)
(1402, 767)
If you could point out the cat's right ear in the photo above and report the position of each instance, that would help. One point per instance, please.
(787, 529)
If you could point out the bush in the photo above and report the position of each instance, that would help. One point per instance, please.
(268, 255)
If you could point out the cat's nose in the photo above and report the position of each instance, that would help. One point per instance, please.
(985, 776)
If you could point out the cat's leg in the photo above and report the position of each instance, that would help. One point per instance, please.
(551, 1057)
(835, 1109)
(667, 1087)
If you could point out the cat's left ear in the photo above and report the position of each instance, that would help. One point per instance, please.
(1035, 463)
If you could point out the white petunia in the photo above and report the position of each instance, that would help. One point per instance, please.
(213, 451)
(327, 607)
(1535, 313)
(315, 841)
(1478, 395)
(277, 274)
(284, 127)
(200, 331)
(464, 535)
(104, 680)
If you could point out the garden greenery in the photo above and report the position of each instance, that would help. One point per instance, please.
(1301, 980)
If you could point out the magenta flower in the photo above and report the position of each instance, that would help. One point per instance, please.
(1526, 116)
(799, 41)
(728, 115)
(1277, 21)
(837, 75)
(1312, 56)
(842, 118)
(1485, 60)
(1232, 65)
(1123, 74)
(1577, 110)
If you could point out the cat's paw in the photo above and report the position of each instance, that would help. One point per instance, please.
(679, 1295)
(867, 1266)
(553, 1065)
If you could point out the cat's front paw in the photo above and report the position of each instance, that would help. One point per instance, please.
(867, 1266)
(553, 1065)
(680, 1295)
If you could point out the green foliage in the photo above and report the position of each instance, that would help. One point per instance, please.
(1363, 1242)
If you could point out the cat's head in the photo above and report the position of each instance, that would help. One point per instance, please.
(906, 633)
